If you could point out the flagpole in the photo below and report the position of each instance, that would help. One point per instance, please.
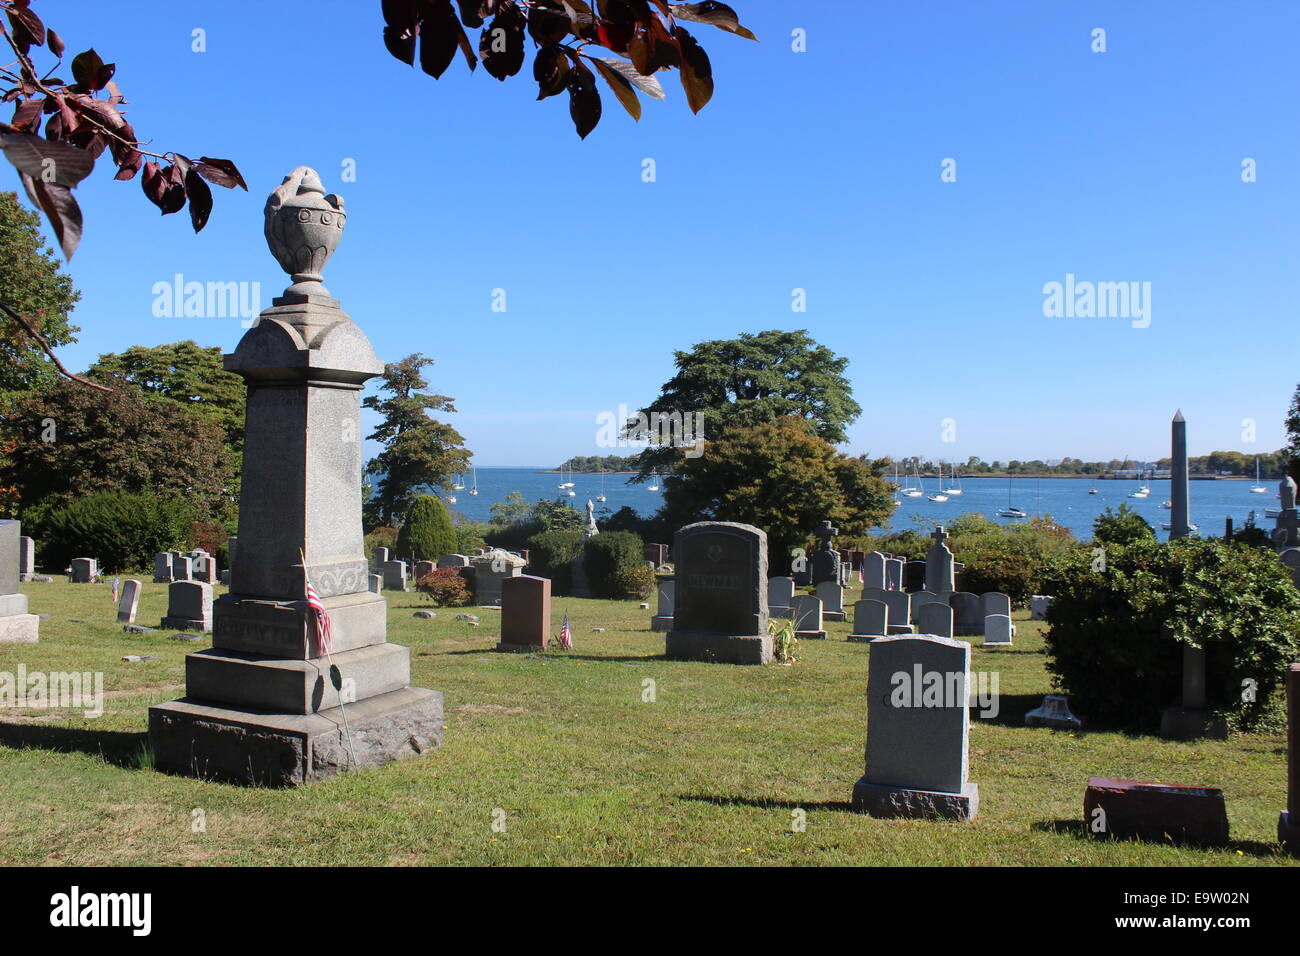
(338, 684)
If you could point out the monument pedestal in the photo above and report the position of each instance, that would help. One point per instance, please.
(877, 800)
(268, 749)
(265, 705)
(719, 648)
(19, 629)
(1288, 833)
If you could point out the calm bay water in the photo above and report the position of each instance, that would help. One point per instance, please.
(1065, 499)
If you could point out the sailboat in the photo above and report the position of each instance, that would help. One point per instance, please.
(938, 496)
(917, 491)
(460, 483)
(601, 497)
(1257, 488)
(474, 490)
(563, 483)
(1010, 511)
(654, 482)
(954, 481)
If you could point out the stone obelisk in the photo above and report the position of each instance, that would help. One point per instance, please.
(1179, 522)
(264, 704)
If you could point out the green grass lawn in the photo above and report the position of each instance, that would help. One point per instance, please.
(586, 771)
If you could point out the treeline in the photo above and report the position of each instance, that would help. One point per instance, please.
(598, 463)
(1227, 463)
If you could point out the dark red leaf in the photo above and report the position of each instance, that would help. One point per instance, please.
(664, 52)
(165, 188)
(104, 76)
(56, 43)
(584, 99)
(471, 13)
(438, 37)
(501, 45)
(551, 71)
(86, 67)
(200, 199)
(696, 71)
(717, 14)
(49, 162)
(400, 45)
(27, 114)
(222, 172)
(60, 208)
(27, 26)
(621, 86)
(547, 22)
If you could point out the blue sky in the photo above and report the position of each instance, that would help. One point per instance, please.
(817, 170)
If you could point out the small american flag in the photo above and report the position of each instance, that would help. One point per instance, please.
(320, 619)
(566, 635)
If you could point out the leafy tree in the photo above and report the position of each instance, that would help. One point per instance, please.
(782, 477)
(1293, 436)
(735, 383)
(427, 532)
(69, 441)
(511, 511)
(419, 451)
(32, 286)
(1122, 527)
(647, 33)
(186, 373)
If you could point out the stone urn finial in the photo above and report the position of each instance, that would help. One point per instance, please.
(303, 227)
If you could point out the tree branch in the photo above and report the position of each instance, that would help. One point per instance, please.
(45, 347)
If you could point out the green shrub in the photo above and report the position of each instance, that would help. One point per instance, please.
(470, 536)
(998, 569)
(380, 538)
(550, 554)
(124, 530)
(1115, 635)
(636, 581)
(445, 587)
(606, 556)
(1121, 527)
(426, 534)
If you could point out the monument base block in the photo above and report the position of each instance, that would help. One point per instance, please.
(19, 629)
(864, 638)
(718, 648)
(197, 739)
(896, 629)
(1187, 723)
(661, 623)
(1288, 833)
(810, 635)
(878, 800)
(505, 648)
(833, 615)
(186, 624)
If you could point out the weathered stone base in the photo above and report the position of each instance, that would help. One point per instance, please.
(878, 800)
(661, 623)
(718, 648)
(1156, 812)
(1186, 723)
(186, 624)
(1288, 833)
(810, 635)
(204, 740)
(895, 629)
(519, 648)
(19, 629)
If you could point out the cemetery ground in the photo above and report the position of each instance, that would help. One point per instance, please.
(587, 771)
